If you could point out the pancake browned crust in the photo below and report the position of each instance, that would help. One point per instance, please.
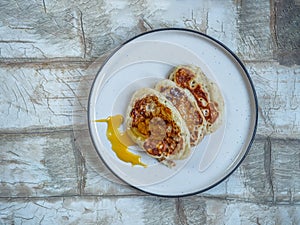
(186, 105)
(156, 126)
(206, 92)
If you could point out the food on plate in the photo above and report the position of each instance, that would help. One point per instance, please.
(157, 127)
(168, 119)
(206, 92)
(186, 105)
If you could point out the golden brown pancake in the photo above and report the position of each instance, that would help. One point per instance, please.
(186, 105)
(156, 126)
(207, 94)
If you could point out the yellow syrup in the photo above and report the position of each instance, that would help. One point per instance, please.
(120, 141)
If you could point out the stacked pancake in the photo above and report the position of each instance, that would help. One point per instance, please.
(175, 115)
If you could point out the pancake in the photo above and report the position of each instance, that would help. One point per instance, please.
(157, 127)
(206, 93)
(186, 105)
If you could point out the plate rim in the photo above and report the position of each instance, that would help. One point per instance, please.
(241, 64)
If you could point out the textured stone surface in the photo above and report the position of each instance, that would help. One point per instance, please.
(144, 210)
(210, 211)
(38, 97)
(253, 22)
(37, 165)
(278, 91)
(28, 31)
(84, 29)
(90, 210)
(50, 52)
(285, 25)
(271, 171)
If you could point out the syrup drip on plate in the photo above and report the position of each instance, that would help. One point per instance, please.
(120, 141)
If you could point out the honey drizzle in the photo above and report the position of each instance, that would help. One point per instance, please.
(120, 140)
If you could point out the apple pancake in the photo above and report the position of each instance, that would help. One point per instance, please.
(186, 105)
(206, 92)
(157, 127)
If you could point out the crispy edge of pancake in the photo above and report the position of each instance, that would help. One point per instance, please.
(201, 129)
(211, 88)
(185, 135)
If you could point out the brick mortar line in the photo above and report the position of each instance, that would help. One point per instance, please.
(36, 131)
(79, 60)
(142, 195)
(46, 62)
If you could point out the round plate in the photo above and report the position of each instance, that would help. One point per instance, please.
(148, 58)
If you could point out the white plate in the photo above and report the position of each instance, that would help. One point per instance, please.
(141, 62)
